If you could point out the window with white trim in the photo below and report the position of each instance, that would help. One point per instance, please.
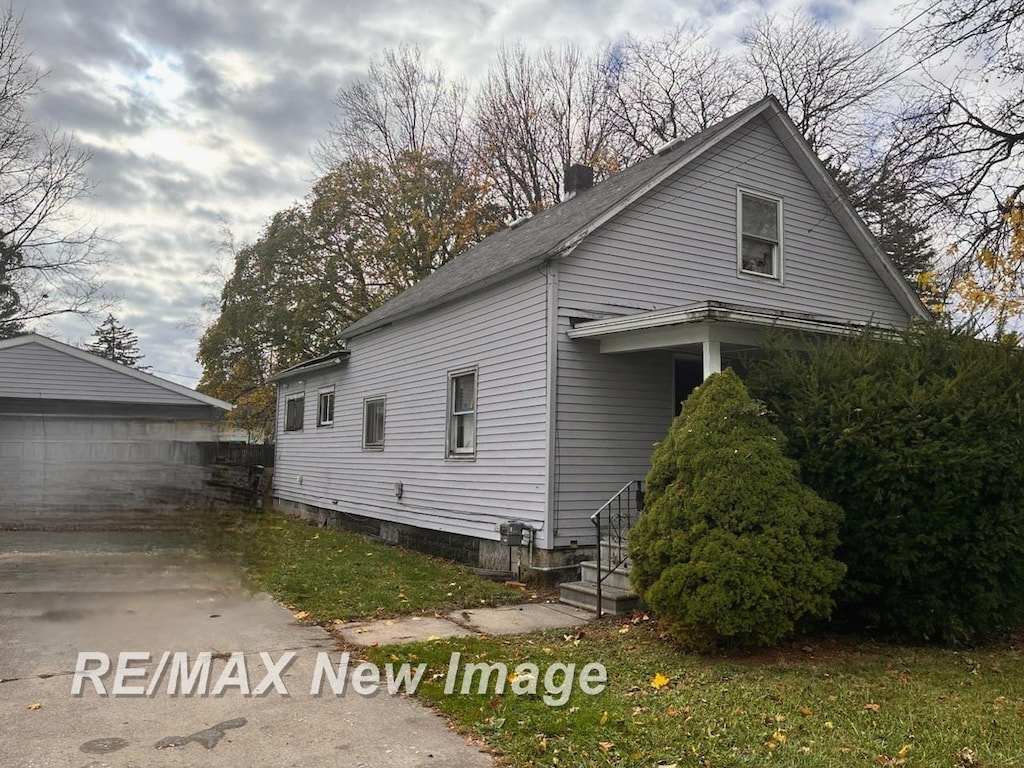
(294, 409)
(462, 414)
(760, 234)
(325, 408)
(373, 423)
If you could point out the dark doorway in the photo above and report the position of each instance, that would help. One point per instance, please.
(688, 374)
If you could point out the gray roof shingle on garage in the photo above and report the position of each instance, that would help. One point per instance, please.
(516, 248)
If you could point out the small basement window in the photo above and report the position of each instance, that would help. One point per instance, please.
(462, 414)
(760, 234)
(294, 409)
(373, 423)
(325, 408)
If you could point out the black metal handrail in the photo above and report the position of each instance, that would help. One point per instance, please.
(615, 519)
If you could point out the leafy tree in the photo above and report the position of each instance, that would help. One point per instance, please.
(886, 190)
(919, 439)
(118, 343)
(366, 231)
(986, 295)
(47, 266)
(10, 301)
(732, 546)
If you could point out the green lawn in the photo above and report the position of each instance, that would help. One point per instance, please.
(810, 705)
(338, 575)
(824, 704)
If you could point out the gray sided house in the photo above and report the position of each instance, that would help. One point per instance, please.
(528, 379)
(83, 438)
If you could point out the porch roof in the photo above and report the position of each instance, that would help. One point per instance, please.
(700, 322)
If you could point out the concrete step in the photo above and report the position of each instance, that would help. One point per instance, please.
(613, 554)
(616, 602)
(618, 578)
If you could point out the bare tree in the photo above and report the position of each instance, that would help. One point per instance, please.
(670, 87)
(826, 80)
(404, 104)
(48, 262)
(971, 124)
(535, 114)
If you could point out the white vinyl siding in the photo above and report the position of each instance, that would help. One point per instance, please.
(612, 409)
(677, 246)
(501, 333)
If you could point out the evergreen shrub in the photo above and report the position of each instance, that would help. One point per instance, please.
(919, 439)
(732, 548)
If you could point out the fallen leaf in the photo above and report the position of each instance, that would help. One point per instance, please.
(777, 739)
(604, 746)
(659, 681)
(301, 615)
(35, 706)
(806, 712)
(872, 707)
(624, 629)
(604, 717)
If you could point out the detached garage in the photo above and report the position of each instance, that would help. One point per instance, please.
(82, 437)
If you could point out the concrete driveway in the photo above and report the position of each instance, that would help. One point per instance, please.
(143, 588)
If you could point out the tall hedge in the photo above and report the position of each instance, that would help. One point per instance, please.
(732, 548)
(920, 440)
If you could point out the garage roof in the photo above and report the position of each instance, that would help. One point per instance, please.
(38, 367)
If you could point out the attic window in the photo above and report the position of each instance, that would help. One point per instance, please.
(760, 234)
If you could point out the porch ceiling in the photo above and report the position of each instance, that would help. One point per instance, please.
(707, 321)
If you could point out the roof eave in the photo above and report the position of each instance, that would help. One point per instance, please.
(481, 285)
(310, 366)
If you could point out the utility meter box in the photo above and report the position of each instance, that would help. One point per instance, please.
(511, 533)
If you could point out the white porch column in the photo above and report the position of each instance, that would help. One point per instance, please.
(712, 357)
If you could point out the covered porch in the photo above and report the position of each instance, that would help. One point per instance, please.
(701, 339)
(713, 334)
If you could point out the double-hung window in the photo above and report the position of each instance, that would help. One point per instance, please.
(325, 408)
(294, 408)
(373, 423)
(760, 234)
(462, 414)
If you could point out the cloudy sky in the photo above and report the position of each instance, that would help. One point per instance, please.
(202, 114)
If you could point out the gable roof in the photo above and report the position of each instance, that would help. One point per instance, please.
(160, 390)
(558, 229)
